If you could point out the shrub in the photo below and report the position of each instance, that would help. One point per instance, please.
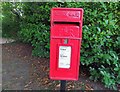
(10, 19)
(35, 26)
(100, 42)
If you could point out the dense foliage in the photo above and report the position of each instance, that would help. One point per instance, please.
(100, 42)
(36, 26)
(10, 19)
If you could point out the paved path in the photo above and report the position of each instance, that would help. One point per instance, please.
(6, 40)
(22, 71)
(18, 68)
(15, 71)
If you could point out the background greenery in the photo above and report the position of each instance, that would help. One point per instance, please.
(100, 50)
(10, 19)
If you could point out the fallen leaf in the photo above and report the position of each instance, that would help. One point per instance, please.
(58, 85)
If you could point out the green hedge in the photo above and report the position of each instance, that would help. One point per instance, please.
(10, 20)
(101, 36)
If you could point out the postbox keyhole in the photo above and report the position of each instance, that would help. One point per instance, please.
(65, 41)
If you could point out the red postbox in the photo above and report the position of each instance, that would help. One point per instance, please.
(65, 43)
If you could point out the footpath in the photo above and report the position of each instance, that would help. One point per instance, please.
(22, 71)
(6, 40)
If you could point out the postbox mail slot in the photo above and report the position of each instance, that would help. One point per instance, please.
(66, 23)
(66, 15)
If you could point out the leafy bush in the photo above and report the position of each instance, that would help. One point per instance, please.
(101, 39)
(10, 20)
(36, 26)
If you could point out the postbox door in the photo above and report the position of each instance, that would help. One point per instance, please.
(61, 33)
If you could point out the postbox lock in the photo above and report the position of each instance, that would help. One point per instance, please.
(65, 41)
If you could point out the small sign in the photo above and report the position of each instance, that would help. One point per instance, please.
(64, 56)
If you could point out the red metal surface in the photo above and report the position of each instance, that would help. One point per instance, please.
(66, 23)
